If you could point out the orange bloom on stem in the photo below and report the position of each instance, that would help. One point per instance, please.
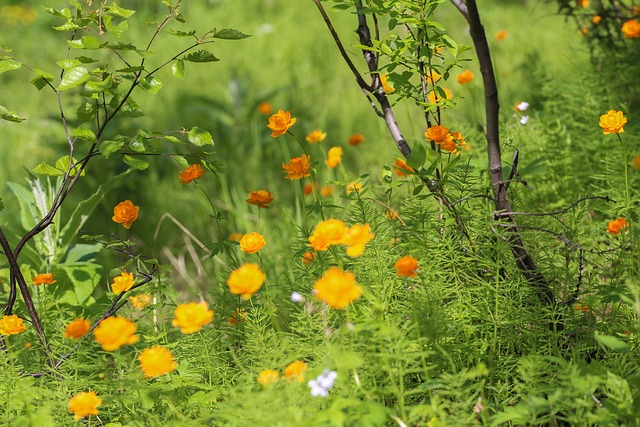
(432, 76)
(612, 122)
(334, 157)
(140, 301)
(353, 187)
(156, 361)
(407, 266)
(122, 283)
(191, 173)
(316, 136)
(596, 19)
(327, 233)
(77, 329)
(337, 288)
(125, 213)
(465, 77)
(298, 167)
(355, 139)
(43, 279)
(308, 257)
(631, 29)
(11, 325)
(191, 317)
(252, 242)
(356, 239)
(617, 225)
(583, 308)
(235, 237)
(84, 403)
(437, 133)
(114, 332)
(401, 167)
(280, 123)
(261, 198)
(268, 376)
(295, 371)
(265, 108)
(246, 280)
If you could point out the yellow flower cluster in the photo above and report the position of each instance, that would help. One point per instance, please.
(294, 372)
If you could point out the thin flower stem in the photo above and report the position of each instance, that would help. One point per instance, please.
(213, 207)
(626, 176)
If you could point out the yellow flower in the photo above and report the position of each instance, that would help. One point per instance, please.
(235, 237)
(265, 108)
(616, 225)
(191, 173)
(298, 167)
(437, 133)
(114, 332)
(308, 257)
(434, 96)
(582, 3)
(465, 77)
(125, 213)
(43, 279)
(84, 403)
(327, 233)
(11, 325)
(326, 191)
(156, 361)
(355, 139)
(316, 136)
(356, 239)
(77, 329)
(385, 85)
(353, 187)
(501, 35)
(252, 242)
(631, 29)
(391, 215)
(280, 123)
(268, 376)
(337, 288)
(261, 198)
(140, 301)
(191, 317)
(596, 19)
(237, 316)
(433, 76)
(122, 283)
(295, 371)
(407, 266)
(613, 122)
(334, 157)
(401, 168)
(246, 280)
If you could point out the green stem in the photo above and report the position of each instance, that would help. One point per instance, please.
(626, 177)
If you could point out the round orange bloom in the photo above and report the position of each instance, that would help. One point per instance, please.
(400, 167)
(334, 157)
(307, 189)
(268, 376)
(261, 198)
(252, 242)
(156, 361)
(434, 96)
(337, 288)
(437, 133)
(122, 283)
(612, 122)
(191, 317)
(43, 279)
(265, 108)
(407, 266)
(631, 29)
(77, 329)
(140, 301)
(326, 191)
(596, 19)
(308, 257)
(316, 136)
(295, 371)
(385, 85)
(280, 123)
(501, 35)
(616, 225)
(433, 76)
(636, 162)
(84, 403)
(582, 3)
(465, 77)
(246, 280)
(355, 139)
(125, 213)
(583, 308)
(448, 144)
(114, 332)
(353, 187)
(327, 233)
(11, 325)
(191, 173)
(356, 239)
(298, 167)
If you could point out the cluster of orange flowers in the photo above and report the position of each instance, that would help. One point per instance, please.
(448, 141)
(294, 372)
(335, 232)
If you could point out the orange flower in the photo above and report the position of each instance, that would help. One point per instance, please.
(356, 239)
(84, 403)
(407, 266)
(11, 325)
(501, 35)
(191, 317)
(308, 257)
(122, 283)
(583, 308)
(298, 167)
(280, 123)
(326, 191)
(43, 279)
(327, 233)
(337, 288)
(465, 77)
(140, 301)
(437, 133)
(295, 371)
(356, 139)
(252, 242)
(316, 136)
(582, 3)
(596, 19)
(631, 29)
(334, 157)
(401, 167)
(191, 173)
(114, 332)
(391, 215)
(434, 96)
(125, 213)
(261, 198)
(353, 187)
(156, 361)
(307, 189)
(617, 225)
(432, 76)
(77, 329)
(265, 108)
(237, 316)
(636, 162)
(385, 85)
(246, 280)
(612, 122)
(268, 376)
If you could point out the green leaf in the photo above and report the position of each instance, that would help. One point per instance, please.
(84, 134)
(136, 163)
(177, 68)
(86, 112)
(230, 34)
(28, 211)
(86, 42)
(67, 26)
(418, 156)
(84, 277)
(130, 69)
(74, 77)
(151, 84)
(9, 65)
(613, 343)
(181, 33)
(68, 63)
(107, 148)
(48, 170)
(1, 204)
(63, 164)
(172, 138)
(200, 56)
(199, 137)
(119, 11)
(9, 115)
(99, 86)
(41, 79)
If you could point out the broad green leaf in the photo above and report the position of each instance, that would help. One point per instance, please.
(200, 56)
(68, 63)
(61, 13)
(178, 69)
(181, 161)
(172, 138)
(9, 65)
(84, 277)
(86, 112)
(10, 115)
(136, 163)
(107, 148)
(63, 164)
(418, 156)
(74, 77)
(151, 84)
(119, 11)
(230, 34)
(130, 69)
(48, 170)
(67, 26)
(41, 79)
(98, 86)
(86, 60)
(181, 33)
(28, 211)
(199, 137)
(84, 134)
(613, 343)
(85, 42)
(115, 30)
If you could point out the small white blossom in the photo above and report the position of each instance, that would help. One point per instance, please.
(321, 385)
(296, 297)
(524, 120)
(522, 106)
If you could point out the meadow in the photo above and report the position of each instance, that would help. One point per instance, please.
(197, 271)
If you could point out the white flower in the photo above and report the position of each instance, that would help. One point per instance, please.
(321, 385)
(524, 120)
(296, 297)
(522, 106)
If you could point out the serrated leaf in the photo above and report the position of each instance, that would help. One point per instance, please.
(63, 164)
(46, 169)
(130, 69)
(74, 77)
(151, 84)
(109, 147)
(9, 115)
(230, 34)
(84, 134)
(41, 79)
(181, 33)
(86, 59)
(68, 63)
(61, 13)
(86, 112)
(119, 11)
(67, 26)
(199, 137)
(136, 163)
(177, 68)
(98, 86)
(9, 65)
(200, 56)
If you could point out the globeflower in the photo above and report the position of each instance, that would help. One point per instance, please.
(434, 97)
(612, 122)
(295, 371)
(141, 301)
(582, 3)
(191, 317)
(326, 191)
(308, 257)
(337, 288)
(465, 77)
(84, 403)
(268, 376)
(246, 280)
(433, 76)
(327, 233)
(191, 173)
(261, 198)
(355, 139)
(501, 35)
(356, 239)
(617, 225)
(122, 283)
(631, 29)
(11, 325)
(316, 136)
(77, 329)
(636, 162)
(385, 85)
(401, 167)
(596, 19)
(353, 187)
(156, 361)
(125, 213)
(280, 123)
(114, 332)
(407, 266)
(265, 108)
(43, 279)
(334, 157)
(437, 133)
(298, 167)
(252, 242)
